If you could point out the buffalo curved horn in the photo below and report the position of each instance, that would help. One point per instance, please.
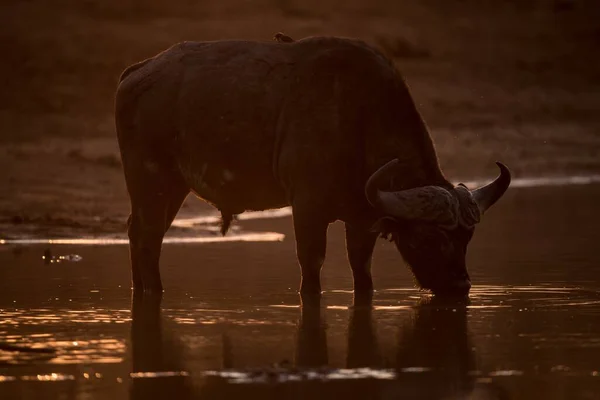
(428, 203)
(486, 196)
(376, 180)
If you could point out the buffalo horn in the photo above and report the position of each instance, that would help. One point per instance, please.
(487, 195)
(430, 203)
(376, 180)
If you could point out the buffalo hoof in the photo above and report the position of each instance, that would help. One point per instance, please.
(148, 290)
(310, 296)
(147, 300)
(153, 291)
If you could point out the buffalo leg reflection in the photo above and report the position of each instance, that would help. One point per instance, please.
(311, 345)
(153, 351)
(363, 346)
(437, 339)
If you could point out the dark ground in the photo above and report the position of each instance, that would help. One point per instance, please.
(513, 80)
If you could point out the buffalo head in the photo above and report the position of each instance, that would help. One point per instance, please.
(431, 226)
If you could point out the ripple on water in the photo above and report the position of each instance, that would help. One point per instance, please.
(282, 375)
(534, 296)
(60, 351)
(42, 316)
(60, 346)
(158, 374)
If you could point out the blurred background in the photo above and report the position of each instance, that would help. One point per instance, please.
(516, 80)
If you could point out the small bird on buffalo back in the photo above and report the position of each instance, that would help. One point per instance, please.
(281, 38)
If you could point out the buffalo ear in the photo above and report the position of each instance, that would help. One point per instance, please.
(469, 212)
(385, 226)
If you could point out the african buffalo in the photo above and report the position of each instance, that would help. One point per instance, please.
(324, 124)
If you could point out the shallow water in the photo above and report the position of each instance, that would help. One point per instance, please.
(230, 324)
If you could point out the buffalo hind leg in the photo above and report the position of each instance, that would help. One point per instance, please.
(360, 245)
(153, 208)
(311, 243)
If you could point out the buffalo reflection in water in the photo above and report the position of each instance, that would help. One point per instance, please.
(153, 350)
(434, 358)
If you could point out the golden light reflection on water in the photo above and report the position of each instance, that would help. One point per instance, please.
(202, 320)
(54, 377)
(540, 341)
(284, 305)
(491, 296)
(109, 241)
(72, 347)
(389, 308)
(215, 218)
(83, 349)
(57, 351)
(510, 372)
(274, 375)
(497, 290)
(334, 307)
(283, 375)
(159, 374)
(41, 316)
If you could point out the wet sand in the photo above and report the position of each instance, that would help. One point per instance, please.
(231, 324)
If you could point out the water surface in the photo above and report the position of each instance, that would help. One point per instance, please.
(231, 325)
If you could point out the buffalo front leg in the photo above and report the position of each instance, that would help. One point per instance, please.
(360, 245)
(311, 242)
